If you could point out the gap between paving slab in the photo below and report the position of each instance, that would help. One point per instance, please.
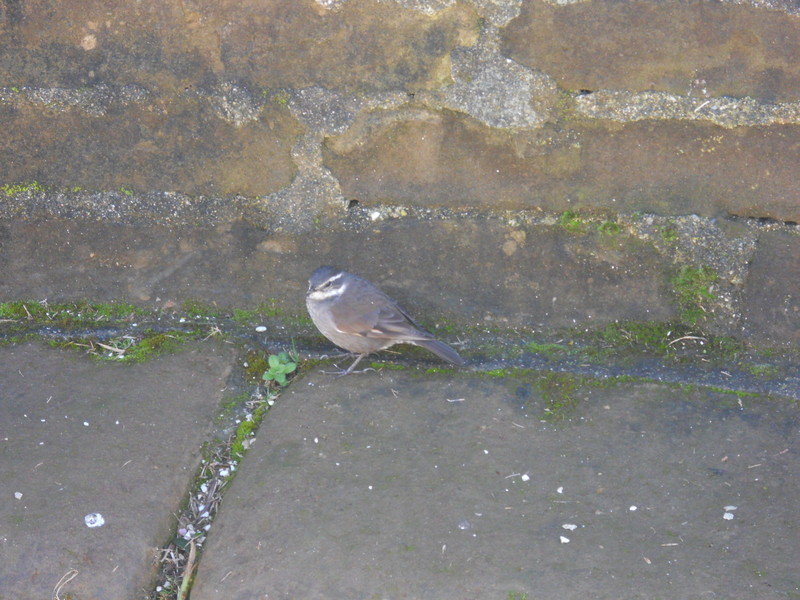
(79, 437)
(392, 485)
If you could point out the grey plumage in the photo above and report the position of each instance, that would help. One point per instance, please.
(357, 316)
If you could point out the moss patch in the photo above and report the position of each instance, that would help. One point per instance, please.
(692, 286)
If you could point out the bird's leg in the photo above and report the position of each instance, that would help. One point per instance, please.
(349, 369)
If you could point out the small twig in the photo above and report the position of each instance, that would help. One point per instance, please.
(687, 337)
(215, 330)
(187, 572)
(702, 105)
(111, 348)
(68, 576)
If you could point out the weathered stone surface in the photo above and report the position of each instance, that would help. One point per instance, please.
(78, 437)
(364, 45)
(719, 49)
(666, 168)
(393, 485)
(75, 43)
(521, 276)
(182, 145)
(771, 302)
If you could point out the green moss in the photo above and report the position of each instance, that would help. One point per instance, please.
(299, 321)
(441, 371)
(244, 431)
(12, 189)
(668, 233)
(196, 308)
(231, 404)
(558, 391)
(22, 309)
(125, 190)
(549, 351)
(647, 336)
(281, 97)
(256, 363)
(609, 228)
(692, 287)
(446, 326)
(244, 317)
(128, 348)
(154, 344)
(71, 314)
(763, 370)
(247, 429)
(497, 373)
(572, 222)
(270, 308)
(387, 366)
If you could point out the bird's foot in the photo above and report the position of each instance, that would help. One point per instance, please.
(348, 370)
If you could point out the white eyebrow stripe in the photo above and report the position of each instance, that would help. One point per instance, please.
(329, 293)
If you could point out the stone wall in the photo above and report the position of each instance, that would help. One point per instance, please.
(529, 163)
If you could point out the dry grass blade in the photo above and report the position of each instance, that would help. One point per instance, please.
(187, 572)
(112, 348)
(68, 576)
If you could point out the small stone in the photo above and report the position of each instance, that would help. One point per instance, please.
(94, 520)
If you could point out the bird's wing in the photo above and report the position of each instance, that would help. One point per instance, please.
(387, 322)
(394, 323)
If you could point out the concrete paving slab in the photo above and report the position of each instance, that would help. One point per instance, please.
(79, 437)
(390, 485)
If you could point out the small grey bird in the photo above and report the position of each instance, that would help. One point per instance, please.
(355, 315)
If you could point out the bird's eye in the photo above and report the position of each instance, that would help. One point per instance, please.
(327, 284)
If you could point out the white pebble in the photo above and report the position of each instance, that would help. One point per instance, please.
(261, 329)
(525, 477)
(94, 520)
(728, 516)
(633, 508)
(564, 540)
(570, 526)
(731, 507)
(18, 495)
(560, 490)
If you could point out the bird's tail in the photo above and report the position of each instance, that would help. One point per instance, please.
(441, 350)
